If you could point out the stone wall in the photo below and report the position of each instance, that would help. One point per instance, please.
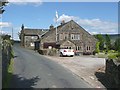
(7, 55)
(113, 73)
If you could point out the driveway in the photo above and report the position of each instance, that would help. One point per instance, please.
(32, 70)
(83, 66)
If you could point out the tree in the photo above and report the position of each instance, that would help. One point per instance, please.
(2, 4)
(101, 41)
(6, 37)
(97, 50)
(107, 42)
(117, 44)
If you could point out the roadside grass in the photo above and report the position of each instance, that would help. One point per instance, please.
(101, 55)
(110, 55)
(9, 75)
(7, 80)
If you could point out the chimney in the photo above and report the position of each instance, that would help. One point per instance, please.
(22, 27)
(62, 22)
(51, 27)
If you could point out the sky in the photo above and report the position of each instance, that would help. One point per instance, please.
(94, 17)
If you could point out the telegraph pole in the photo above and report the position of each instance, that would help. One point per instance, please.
(12, 33)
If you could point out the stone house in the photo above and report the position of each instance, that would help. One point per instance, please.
(69, 35)
(29, 36)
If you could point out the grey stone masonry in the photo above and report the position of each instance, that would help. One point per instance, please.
(113, 73)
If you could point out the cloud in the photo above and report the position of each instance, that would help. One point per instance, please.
(93, 26)
(5, 24)
(2, 32)
(25, 2)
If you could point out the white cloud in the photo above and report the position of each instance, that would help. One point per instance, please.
(2, 32)
(5, 24)
(93, 26)
(66, 18)
(25, 2)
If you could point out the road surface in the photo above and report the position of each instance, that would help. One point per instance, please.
(32, 70)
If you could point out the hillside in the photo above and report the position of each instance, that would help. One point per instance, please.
(113, 37)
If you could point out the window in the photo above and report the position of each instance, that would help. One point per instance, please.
(72, 36)
(88, 47)
(75, 37)
(61, 36)
(65, 36)
(78, 47)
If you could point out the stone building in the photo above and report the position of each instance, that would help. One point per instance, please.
(69, 35)
(29, 36)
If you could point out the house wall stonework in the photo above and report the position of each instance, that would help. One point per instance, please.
(71, 32)
(29, 36)
(67, 44)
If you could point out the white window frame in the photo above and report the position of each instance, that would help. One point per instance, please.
(75, 36)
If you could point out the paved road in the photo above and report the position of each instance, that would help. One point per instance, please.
(32, 70)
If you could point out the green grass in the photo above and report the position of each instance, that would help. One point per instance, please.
(101, 55)
(9, 75)
(110, 55)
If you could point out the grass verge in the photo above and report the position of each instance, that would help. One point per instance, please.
(6, 82)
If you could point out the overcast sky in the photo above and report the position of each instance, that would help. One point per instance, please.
(95, 17)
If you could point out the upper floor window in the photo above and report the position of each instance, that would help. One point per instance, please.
(63, 36)
(75, 36)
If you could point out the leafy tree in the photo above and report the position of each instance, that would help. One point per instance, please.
(6, 37)
(117, 44)
(2, 4)
(107, 42)
(101, 41)
(97, 50)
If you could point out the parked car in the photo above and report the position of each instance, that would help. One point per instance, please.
(67, 52)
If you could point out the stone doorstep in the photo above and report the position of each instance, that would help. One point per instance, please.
(90, 78)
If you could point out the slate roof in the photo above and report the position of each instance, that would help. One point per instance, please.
(28, 31)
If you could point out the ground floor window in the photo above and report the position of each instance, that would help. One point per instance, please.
(78, 47)
(88, 47)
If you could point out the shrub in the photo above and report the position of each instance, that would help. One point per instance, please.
(111, 51)
(42, 52)
(97, 50)
(112, 56)
(52, 52)
(115, 56)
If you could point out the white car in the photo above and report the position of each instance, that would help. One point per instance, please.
(67, 52)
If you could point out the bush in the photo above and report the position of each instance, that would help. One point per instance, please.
(111, 51)
(112, 56)
(42, 52)
(94, 52)
(52, 52)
